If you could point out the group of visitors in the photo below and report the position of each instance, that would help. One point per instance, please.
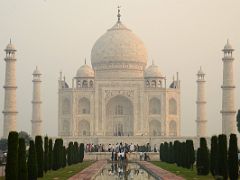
(127, 147)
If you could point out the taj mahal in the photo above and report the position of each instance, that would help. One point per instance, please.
(119, 95)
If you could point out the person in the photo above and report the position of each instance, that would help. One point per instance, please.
(113, 154)
(155, 148)
(131, 147)
(146, 157)
(141, 155)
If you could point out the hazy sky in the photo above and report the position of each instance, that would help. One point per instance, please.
(180, 35)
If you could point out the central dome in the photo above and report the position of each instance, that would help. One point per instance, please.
(119, 48)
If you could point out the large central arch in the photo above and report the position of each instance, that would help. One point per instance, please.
(119, 117)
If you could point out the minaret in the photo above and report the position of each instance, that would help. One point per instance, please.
(228, 92)
(201, 105)
(36, 104)
(10, 111)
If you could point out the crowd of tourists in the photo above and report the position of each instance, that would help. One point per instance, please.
(120, 147)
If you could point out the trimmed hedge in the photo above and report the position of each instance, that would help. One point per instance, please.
(22, 163)
(12, 157)
(222, 169)
(213, 155)
(50, 154)
(32, 162)
(203, 158)
(81, 152)
(233, 157)
(39, 151)
(46, 154)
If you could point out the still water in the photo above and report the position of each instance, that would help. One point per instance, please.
(123, 171)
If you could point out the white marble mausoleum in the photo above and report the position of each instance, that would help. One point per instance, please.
(119, 95)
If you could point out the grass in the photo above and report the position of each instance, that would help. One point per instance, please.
(66, 172)
(186, 173)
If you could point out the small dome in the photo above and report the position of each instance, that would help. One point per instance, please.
(36, 72)
(228, 46)
(153, 71)
(10, 47)
(85, 71)
(200, 72)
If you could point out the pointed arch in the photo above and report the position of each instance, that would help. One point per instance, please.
(66, 107)
(66, 127)
(119, 116)
(155, 128)
(172, 128)
(172, 106)
(84, 128)
(83, 106)
(154, 106)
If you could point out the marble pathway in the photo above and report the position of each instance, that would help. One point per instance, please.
(90, 172)
(159, 172)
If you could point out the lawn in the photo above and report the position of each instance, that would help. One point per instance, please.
(186, 173)
(66, 172)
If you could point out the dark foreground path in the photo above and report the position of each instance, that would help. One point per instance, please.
(159, 172)
(90, 172)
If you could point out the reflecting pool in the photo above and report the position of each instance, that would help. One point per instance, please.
(123, 171)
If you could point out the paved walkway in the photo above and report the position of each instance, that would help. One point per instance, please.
(159, 172)
(2, 171)
(90, 172)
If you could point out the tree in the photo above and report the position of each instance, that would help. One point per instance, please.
(171, 153)
(233, 157)
(12, 157)
(199, 162)
(190, 154)
(22, 163)
(26, 136)
(75, 145)
(61, 153)
(165, 152)
(64, 157)
(203, 158)
(177, 152)
(81, 149)
(70, 153)
(184, 155)
(3, 144)
(57, 154)
(238, 120)
(39, 151)
(50, 155)
(32, 162)
(160, 151)
(213, 155)
(222, 169)
(46, 154)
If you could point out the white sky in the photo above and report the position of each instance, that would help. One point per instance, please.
(179, 35)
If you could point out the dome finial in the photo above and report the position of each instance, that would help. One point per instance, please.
(119, 15)
(85, 61)
(10, 40)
